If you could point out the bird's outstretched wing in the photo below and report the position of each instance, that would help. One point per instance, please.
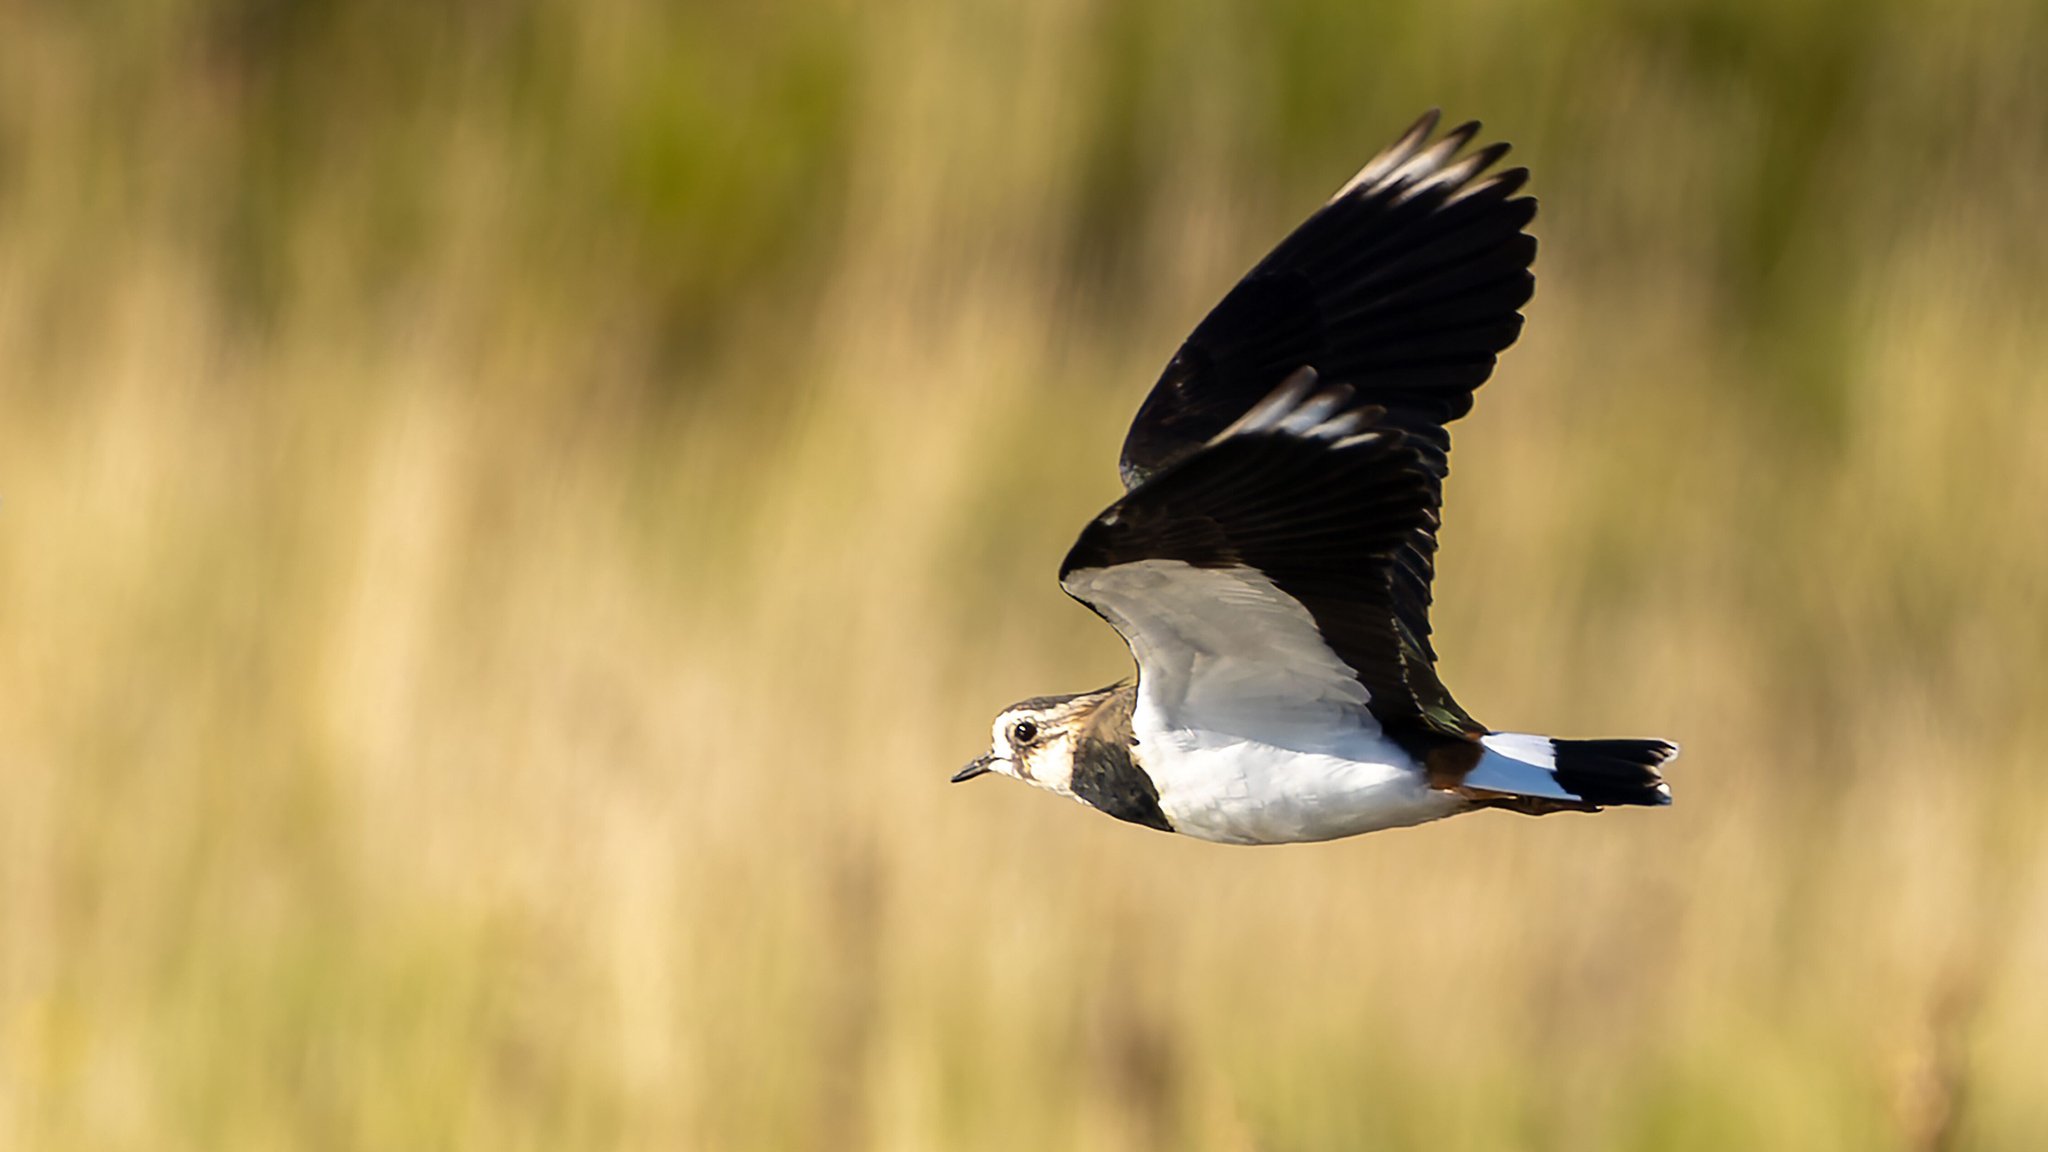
(1404, 286)
(1252, 577)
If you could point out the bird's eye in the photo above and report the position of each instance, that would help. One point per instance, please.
(1025, 732)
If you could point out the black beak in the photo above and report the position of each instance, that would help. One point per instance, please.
(979, 767)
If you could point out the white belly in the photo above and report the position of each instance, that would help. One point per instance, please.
(1248, 792)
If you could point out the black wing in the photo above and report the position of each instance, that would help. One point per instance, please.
(1404, 286)
(1244, 573)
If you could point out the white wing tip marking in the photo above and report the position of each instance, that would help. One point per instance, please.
(1452, 175)
(1431, 159)
(1392, 156)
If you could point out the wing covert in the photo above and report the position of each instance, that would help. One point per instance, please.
(1253, 578)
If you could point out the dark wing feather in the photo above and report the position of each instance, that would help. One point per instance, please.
(1311, 495)
(1405, 286)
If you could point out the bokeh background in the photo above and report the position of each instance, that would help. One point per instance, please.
(510, 513)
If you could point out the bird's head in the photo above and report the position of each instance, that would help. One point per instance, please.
(1035, 740)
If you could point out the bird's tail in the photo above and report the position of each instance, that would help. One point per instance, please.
(1540, 774)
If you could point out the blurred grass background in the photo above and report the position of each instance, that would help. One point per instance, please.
(510, 512)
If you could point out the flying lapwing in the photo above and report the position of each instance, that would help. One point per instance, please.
(1269, 563)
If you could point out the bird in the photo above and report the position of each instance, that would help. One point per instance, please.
(1269, 562)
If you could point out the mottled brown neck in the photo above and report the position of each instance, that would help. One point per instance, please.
(1105, 714)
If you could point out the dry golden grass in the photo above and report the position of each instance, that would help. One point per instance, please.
(508, 517)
